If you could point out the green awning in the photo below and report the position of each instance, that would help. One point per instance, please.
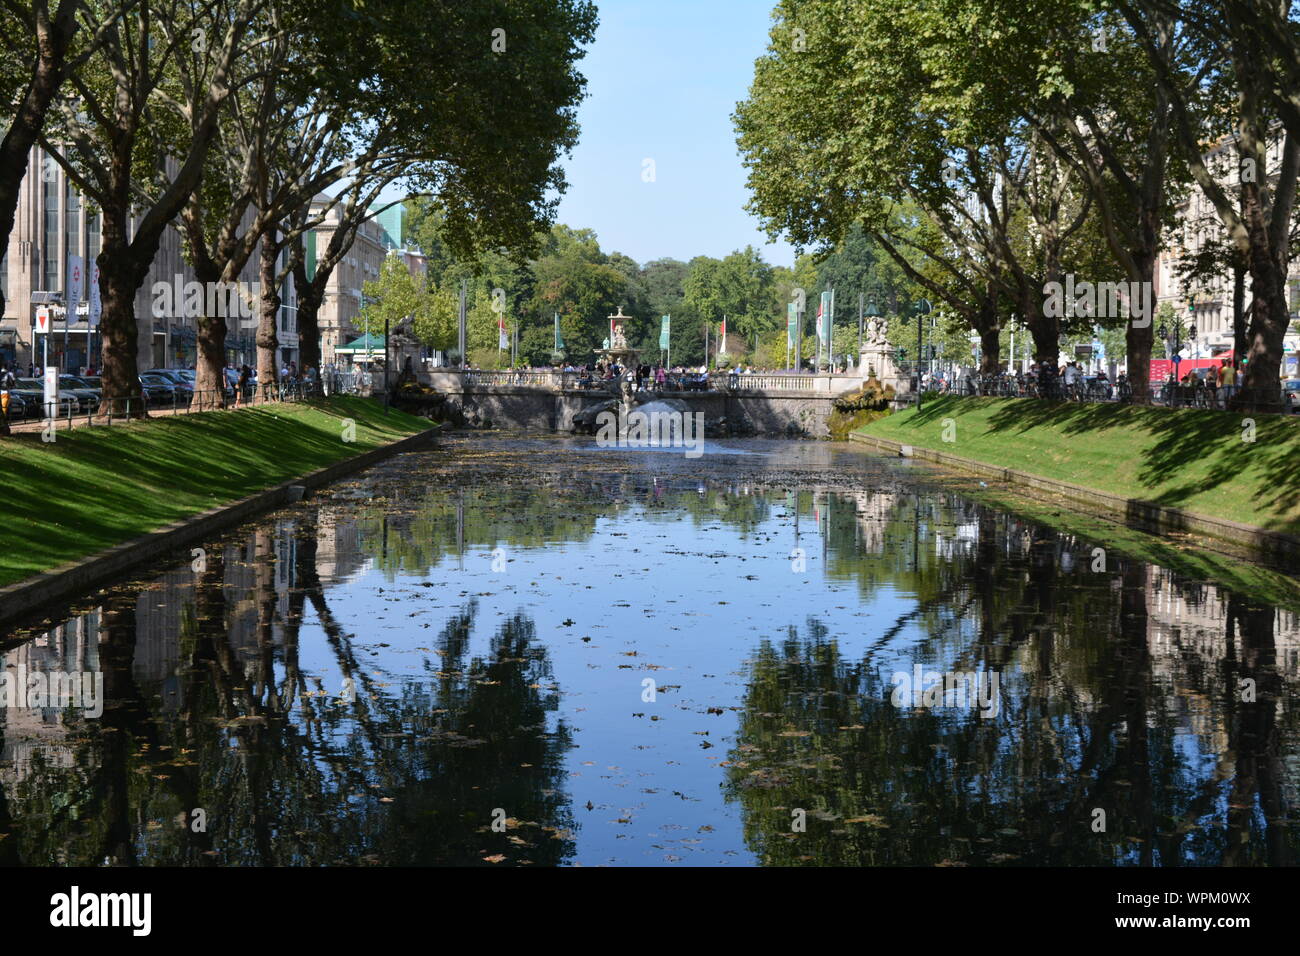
(367, 343)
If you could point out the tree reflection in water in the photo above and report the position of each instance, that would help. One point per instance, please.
(286, 770)
(1125, 687)
(1090, 720)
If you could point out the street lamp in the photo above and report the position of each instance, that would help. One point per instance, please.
(922, 308)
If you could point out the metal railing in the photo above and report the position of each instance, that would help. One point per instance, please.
(1167, 394)
(66, 413)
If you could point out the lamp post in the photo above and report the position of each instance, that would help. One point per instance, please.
(922, 308)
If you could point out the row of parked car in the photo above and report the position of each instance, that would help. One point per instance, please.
(81, 394)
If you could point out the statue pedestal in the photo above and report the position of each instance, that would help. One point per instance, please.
(880, 360)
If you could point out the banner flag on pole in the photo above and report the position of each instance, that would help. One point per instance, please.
(74, 284)
(559, 339)
(791, 324)
(92, 320)
(722, 340)
(503, 340)
(663, 331)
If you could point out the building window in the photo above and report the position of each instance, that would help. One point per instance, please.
(92, 241)
(51, 237)
(72, 207)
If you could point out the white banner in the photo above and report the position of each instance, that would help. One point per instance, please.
(75, 276)
(92, 320)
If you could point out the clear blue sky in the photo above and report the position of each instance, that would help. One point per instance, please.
(663, 79)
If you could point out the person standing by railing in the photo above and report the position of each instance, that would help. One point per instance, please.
(1227, 382)
(6, 383)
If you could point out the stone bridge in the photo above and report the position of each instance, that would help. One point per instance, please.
(768, 404)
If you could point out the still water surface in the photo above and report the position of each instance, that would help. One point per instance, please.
(629, 657)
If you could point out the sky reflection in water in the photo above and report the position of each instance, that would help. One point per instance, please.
(498, 604)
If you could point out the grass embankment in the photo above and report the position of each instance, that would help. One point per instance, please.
(1179, 458)
(93, 488)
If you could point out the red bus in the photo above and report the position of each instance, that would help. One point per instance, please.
(1161, 369)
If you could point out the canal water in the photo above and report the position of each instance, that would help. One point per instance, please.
(534, 651)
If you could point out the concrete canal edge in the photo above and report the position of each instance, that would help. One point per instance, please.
(23, 597)
(1273, 547)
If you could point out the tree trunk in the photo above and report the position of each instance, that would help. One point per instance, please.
(1139, 339)
(210, 363)
(268, 341)
(1046, 333)
(309, 303)
(1270, 316)
(1238, 314)
(119, 278)
(1268, 323)
(990, 351)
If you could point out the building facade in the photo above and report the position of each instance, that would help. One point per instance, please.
(50, 261)
(1208, 303)
(341, 304)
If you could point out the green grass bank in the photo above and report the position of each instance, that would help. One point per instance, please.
(1198, 461)
(93, 488)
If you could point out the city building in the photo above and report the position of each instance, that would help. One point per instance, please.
(341, 304)
(1209, 304)
(50, 262)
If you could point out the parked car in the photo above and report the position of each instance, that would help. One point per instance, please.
(172, 376)
(35, 388)
(157, 391)
(1291, 395)
(88, 396)
(19, 409)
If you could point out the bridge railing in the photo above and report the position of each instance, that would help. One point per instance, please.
(772, 382)
(453, 379)
(545, 378)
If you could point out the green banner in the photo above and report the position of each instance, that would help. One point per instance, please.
(663, 332)
(791, 325)
(559, 341)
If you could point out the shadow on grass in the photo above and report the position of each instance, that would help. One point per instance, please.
(1186, 452)
(94, 488)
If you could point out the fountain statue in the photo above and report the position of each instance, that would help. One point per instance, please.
(616, 349)
(877, 354)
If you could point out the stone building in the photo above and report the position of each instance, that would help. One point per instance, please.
(1210, 303)
(50, 259)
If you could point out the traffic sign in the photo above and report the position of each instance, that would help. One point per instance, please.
(43, 320)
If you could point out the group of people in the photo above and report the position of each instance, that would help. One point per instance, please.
(645, 377)
(1221, 381)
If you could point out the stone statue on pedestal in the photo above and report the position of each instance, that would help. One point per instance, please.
(877, 354)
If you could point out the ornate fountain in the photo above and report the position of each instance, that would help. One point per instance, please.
(616, 348)
(617, 351)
